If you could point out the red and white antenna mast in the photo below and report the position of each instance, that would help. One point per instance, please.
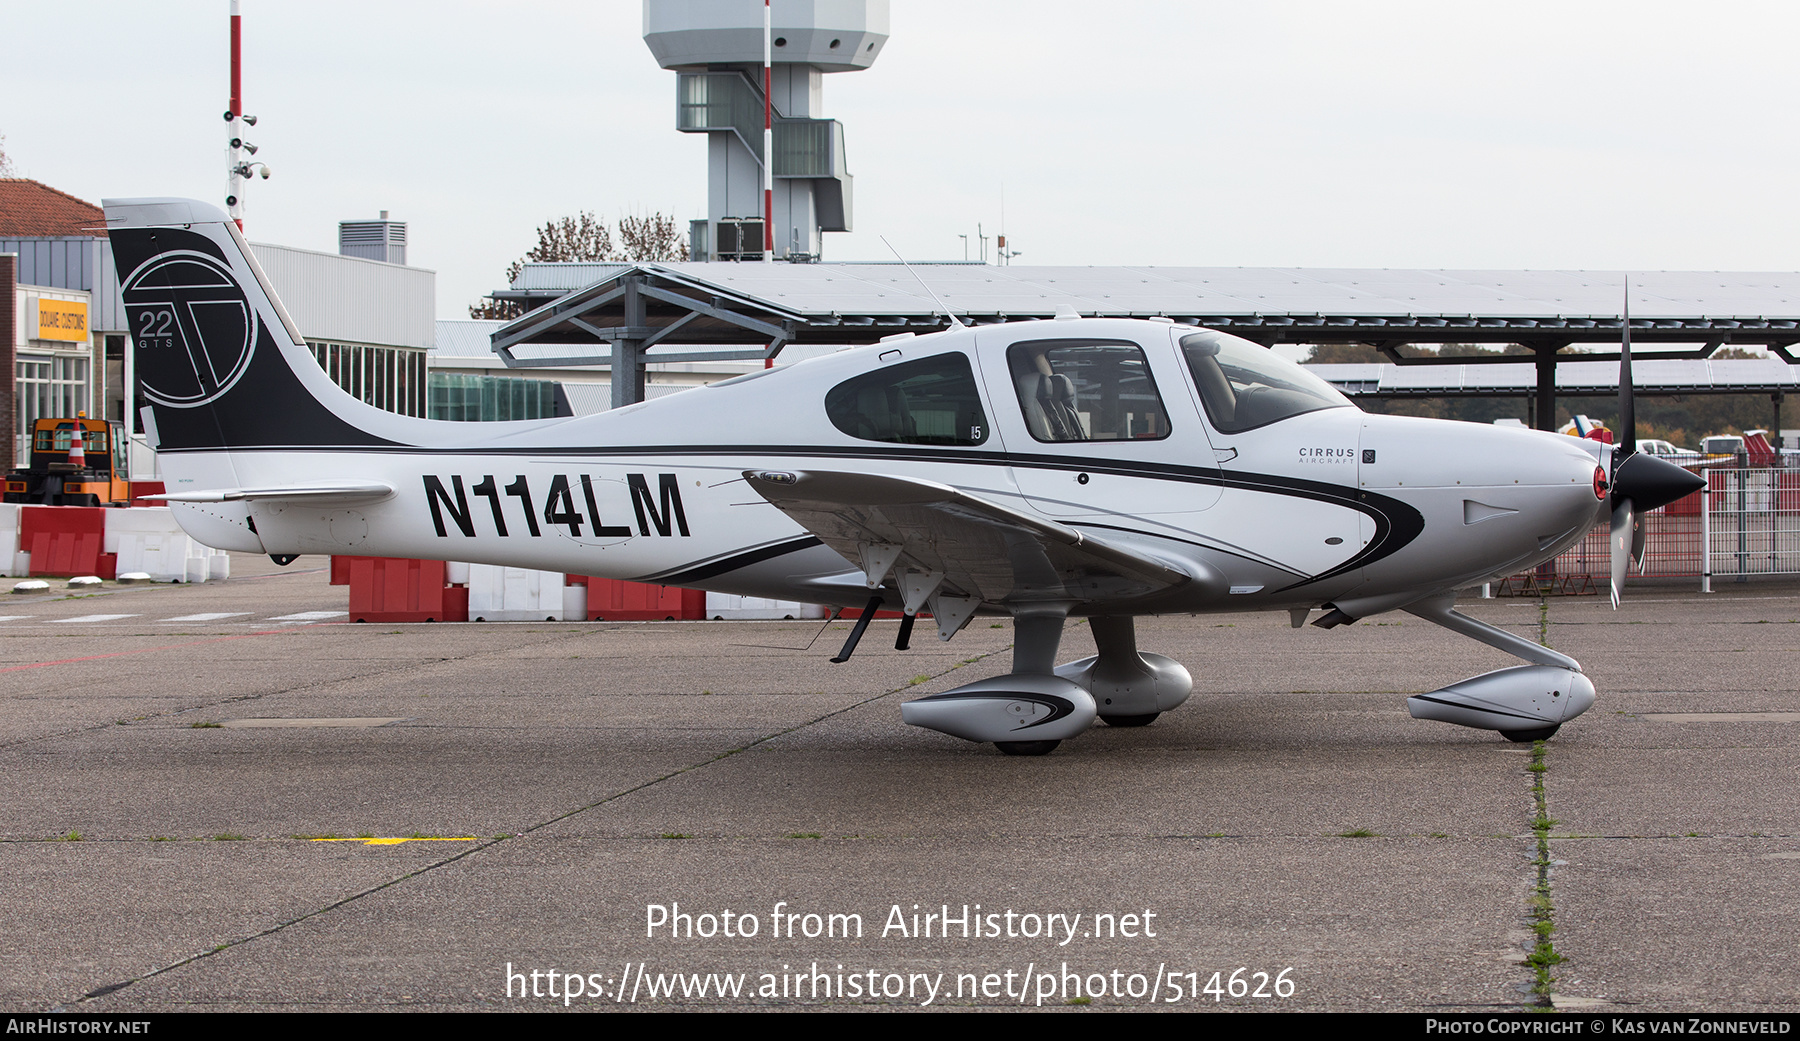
(237, 169)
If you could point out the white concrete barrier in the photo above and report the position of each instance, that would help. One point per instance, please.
(148, 539)
(574, 603)
(731, 608)
(514, 594)
(11, 560)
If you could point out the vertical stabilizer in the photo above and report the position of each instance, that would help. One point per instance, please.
(219, 363)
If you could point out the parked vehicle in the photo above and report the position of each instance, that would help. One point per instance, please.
(1667, 450)
(56, 476)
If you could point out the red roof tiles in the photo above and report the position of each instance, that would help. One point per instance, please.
(29, 209)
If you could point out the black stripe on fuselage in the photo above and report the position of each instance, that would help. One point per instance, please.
(1396, 523)
(688, 574)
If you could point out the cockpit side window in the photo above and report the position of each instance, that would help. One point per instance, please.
(1244, 386)
(1083, 390)
(932, 401)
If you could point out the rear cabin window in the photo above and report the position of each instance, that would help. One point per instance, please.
(1079, 390)
(932, 401)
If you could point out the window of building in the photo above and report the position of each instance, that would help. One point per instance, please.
(392, 378)
(468, 398)
(46, 387)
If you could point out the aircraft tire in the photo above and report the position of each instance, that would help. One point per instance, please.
(1027, 747)
(1130, 721)
(1525, 737)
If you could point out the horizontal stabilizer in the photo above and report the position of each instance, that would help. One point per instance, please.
(347, 493)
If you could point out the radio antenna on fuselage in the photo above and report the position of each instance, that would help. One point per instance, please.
(934, 297)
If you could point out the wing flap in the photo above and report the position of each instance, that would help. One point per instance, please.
(981, 548)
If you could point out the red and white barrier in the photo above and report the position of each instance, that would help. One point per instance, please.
(103, 541)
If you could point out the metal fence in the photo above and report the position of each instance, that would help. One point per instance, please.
(1751, 524)
(1746, 521)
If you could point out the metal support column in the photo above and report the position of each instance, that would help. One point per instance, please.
(1546, 387)
(627, 352)
(1743, 517)
(1706, 532)
(1545, 417)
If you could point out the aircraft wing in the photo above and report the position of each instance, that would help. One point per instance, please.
(982, 549)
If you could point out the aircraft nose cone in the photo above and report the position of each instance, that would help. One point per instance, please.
(1650, 482)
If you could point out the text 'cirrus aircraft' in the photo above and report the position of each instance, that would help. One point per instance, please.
(1104, 468)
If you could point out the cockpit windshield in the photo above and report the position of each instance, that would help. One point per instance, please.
(1244, 386)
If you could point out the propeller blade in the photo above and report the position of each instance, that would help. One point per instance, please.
(1627, 411)
(1623, 519)
(1641, 483)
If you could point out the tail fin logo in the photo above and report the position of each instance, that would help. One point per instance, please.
(194, 327)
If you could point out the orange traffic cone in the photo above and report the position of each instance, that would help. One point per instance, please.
(77, 455)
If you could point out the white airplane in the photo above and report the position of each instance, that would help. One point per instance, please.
(1102, 468)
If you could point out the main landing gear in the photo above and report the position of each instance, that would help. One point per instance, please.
(1040, 704)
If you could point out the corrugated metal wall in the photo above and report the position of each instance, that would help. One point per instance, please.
(109, 309)
(333, 297)
(62, 263)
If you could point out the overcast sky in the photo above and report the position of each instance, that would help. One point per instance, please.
(1372, 134)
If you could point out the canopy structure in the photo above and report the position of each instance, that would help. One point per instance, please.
(627, 315)
(1650, 376)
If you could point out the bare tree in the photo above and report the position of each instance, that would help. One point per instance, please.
(6, 166)
(581, 237)
(585, 237)
(652, 238)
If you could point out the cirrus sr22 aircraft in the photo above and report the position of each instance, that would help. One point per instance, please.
(1103, 468)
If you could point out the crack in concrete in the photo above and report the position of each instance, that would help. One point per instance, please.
(1543, 954)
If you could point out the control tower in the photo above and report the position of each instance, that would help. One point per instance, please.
(716, 49)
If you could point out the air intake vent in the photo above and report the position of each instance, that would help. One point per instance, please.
(383, 240)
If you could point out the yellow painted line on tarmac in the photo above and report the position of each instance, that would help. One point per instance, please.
(370, 841)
